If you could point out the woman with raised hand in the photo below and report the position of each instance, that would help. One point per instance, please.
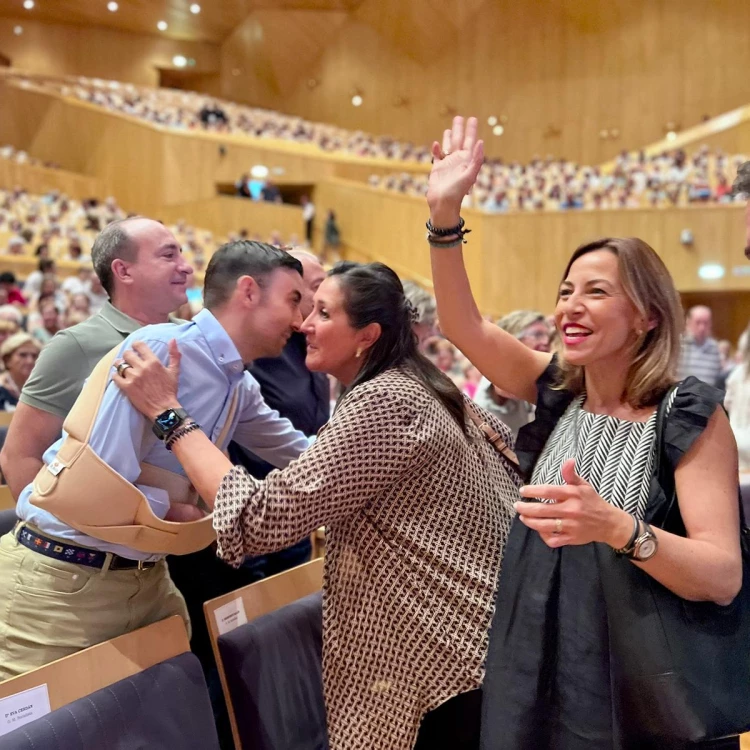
(595, 526)
(416, 504)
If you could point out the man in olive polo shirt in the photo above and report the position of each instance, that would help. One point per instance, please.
(140, 265)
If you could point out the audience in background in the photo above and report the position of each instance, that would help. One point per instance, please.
(633, 180)
(531, 329)
(19, 353)
(700, 355)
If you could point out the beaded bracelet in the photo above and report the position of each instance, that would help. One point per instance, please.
(445, 237)
(180, 432)
(432, 229)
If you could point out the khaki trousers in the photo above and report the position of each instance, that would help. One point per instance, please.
(50, 608)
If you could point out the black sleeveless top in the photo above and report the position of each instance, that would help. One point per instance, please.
(548, 679)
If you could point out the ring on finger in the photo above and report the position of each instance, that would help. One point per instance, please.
(558, 526)
(121, 368)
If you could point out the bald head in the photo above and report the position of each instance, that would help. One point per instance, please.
(699, 322)
(313, 274)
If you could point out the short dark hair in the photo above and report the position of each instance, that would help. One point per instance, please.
(111, 243)
(46, 265)
(242, 258)
(742, 182)
(373, 293)
(7, 277)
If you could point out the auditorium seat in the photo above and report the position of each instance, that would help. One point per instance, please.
(273, 672)
(143, 689)
(162, 708)
(267, 640)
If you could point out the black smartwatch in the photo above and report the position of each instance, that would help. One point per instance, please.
(167, 422)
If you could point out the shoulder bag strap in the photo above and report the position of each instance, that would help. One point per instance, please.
(495, 439)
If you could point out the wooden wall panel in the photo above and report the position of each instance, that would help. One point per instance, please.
(225, 214)
(575, 67)
(41, 180)
(57, 49)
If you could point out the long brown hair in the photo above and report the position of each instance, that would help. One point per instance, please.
(649, 286)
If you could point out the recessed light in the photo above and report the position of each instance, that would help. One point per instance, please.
(671, 135)
(162, 26)
(179, 61)
(28, 4)
(113, 6)
(498, 130)
(18, 30)
(195, 8)
(492, 120)
(357, 100)
(711, 271)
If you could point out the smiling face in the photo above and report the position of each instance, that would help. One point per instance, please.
(159, 272)
(277, 315)
(332, 341)
(596, 319)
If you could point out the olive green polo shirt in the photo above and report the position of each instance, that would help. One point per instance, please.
(68, 359)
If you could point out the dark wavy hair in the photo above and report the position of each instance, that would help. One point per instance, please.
(373, 294)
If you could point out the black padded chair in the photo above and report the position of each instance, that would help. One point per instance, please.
(274, 676)
(165, 707)
(8, 520)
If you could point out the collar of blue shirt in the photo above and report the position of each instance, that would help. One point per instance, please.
(222, 347)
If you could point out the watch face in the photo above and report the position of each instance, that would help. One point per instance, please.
(647, 549)
(167, 420)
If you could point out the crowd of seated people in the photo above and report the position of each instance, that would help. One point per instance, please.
(635, 180)
(187, 110)
(52, 228)
(11, 153)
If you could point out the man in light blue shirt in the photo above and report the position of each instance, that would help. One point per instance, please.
(252, 294)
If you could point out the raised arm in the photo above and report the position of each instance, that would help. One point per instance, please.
(500, 357)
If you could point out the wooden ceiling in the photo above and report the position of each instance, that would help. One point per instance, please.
(215, 22)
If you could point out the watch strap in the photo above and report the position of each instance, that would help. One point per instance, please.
(630, 546)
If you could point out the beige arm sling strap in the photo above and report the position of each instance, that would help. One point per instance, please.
(84, 492)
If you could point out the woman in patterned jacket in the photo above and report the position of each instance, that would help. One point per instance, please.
(552, 682)
(416, 503)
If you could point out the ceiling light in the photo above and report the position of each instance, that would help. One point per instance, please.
(162, 25)
(179, 61)
(492, 120)
(671, 135)
(28, 4)
(711, 271)
(18, 30)
(357, 100)
(259, 171)
(195, 8)
(498, 130)
(112, 7)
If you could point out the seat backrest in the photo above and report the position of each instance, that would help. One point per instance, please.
(7, 500)
(100, 666)
(8, 519)
(164, 707)
(233, 610)
(273, 670)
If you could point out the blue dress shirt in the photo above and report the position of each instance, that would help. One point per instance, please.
(211, 370)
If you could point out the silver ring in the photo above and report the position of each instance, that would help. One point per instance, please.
(121, 368)
(558, 526)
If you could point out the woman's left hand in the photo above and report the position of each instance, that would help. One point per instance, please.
(150, 386)
(579, 514)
